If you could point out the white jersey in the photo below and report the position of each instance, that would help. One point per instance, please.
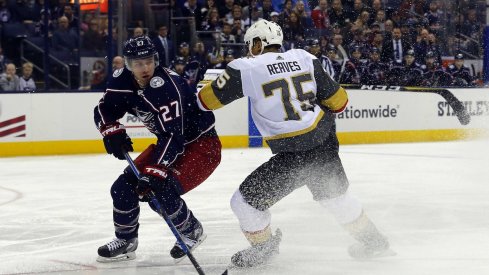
(288, 92)
(282, 91)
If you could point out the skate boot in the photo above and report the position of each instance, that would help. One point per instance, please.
(371, 243)
(118, 250)
(258, 254)
(373, 249)
(192, 239)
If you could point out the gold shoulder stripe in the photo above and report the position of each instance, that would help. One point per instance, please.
(300, 132)
(337, 102)
(208, 98)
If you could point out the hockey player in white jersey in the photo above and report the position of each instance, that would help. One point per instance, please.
(293, 103)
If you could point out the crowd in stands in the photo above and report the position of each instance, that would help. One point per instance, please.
(362, 42)
(396, 42)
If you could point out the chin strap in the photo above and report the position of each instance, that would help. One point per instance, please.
(251, 52)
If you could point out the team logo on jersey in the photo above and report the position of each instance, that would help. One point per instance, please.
(117, 72)
(156, 82)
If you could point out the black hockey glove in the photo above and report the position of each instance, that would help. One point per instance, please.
(116, 140)
(153, 178)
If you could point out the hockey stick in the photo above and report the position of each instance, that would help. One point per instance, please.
(162, 212)
(457, 106)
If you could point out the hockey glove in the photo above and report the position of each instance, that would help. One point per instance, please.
(153, 179)
(116, 140)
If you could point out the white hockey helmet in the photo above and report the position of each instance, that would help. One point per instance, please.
(270, 33)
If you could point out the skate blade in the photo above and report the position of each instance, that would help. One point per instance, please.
(123, 257)
(201, 240)
(386, 253)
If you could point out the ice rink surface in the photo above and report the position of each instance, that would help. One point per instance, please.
(430, 199)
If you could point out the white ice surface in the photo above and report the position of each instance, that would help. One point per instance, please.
(430, 199)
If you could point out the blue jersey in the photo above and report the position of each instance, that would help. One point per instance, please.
(167, 107)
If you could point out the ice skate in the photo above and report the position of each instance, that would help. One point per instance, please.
(192, 240)
(258, 254)
(373, 249)
(118, 250)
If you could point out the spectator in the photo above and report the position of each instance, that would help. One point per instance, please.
(422, 45)
(92, 40)
(274, 17)
(228, 57)
(358, 8)
(293, 31)
(226, 36)
(409, 33)
(253, 5)
(379, 19)
(388, 28)
(408, 74)
(376, 6)
(137, 32)
(226, 10)
(434, 47)
(237, 30)
(361, 23)
(377, 41)
(433, 73)
(117, 62)
(353, 68)
(331, 54)
(359, 41)
(255, 15)
(338, 15)
(238, 15)
(21, 12)
(267, 8)
(178, 65)
(434, 17)
(341, 53)
(315, 49)
(212, 22)
(320, 18)
(184, 51)
(26, 82)
(40, 28)
(59, 9)
(164, 46)
(65, 39)
(69, 13)
(471, 26)
(198, 64)
(375, 70)
(193, 9)
(9, 81)
(209, 4)
(3, 60)
(394, 49)
(460, 73)
(286, 11)
(396, 19)
(305, 18)
(5, 14)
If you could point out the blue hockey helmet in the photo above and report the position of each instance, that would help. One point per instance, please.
(139, 48)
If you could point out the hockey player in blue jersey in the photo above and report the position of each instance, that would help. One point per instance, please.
(186, 152)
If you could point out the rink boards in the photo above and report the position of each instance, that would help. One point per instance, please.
(62, 123)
